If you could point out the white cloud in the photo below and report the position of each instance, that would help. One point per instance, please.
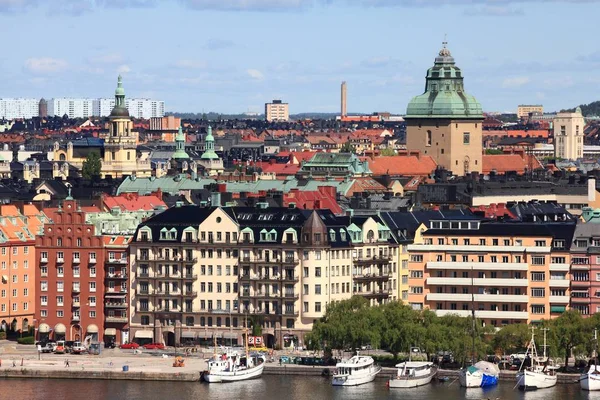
(123, 69)
(515, 82)
(45, 65)
(255, 74)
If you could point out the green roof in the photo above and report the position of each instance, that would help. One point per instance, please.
(444, 95)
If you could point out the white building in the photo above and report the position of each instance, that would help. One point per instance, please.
(277, 111)
(568, 135)
(19, 108)
(138, 108)
(74, 108)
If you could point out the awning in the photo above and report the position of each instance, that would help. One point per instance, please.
(558, 309)
(92, 328)
(109, 332)
(230, 335)
(44, 328)
(60, 329)
(188, 334)
(144, 334)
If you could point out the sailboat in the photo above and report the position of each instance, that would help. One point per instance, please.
(539, 375)
(590, 379)
(232, 367)
(483, 373)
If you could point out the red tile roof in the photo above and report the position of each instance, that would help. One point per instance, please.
(133, 202)
(503, 163)
(402, 165)
(322, 199)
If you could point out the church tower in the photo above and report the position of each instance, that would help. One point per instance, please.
(120, 157)
(445, 122)
(210, 159)
(180, 153)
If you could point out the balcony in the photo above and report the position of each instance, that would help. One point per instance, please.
(374, 294)
(76, 304)
(92, 260)
(190, 293)
(245, 294)
(290, 313)
(114, 261)
(477, 266)
(477, 248)
(561, 283)
(116, 290)
(60, 260)
(143, 275)
(44, 259)
(76, 289)
(290, 278)
(246, 259)
(291, 295)
(116, 319)
(76, 260)
(268, 261)
(116, 276)
(116, 305)
(522, 315)
(168, 293)
(513, 282)
(144, 292)
(466, 297)
(559, 267)
(559, 299)
(382, 277)
(190, 276)
(75, 318)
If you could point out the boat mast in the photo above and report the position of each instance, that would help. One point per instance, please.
(596, 349)
(545, 330)
(246, 344)
(472, 318)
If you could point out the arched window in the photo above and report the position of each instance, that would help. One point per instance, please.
(370, 235)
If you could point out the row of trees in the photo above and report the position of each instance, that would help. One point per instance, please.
(396, 327)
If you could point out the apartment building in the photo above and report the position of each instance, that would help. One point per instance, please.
(18, 227)
(198, 273)
(523, 110)
(11, 108)
(73, 108)
(70, 261)
(585, 269)
(277, 111)
(507, 272)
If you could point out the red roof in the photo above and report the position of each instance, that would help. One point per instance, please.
(541, 133)
(133, 202)
(296, 157)
(402, 165)
(494, 211)
(503, 163)
(322, 199)
(278, 169)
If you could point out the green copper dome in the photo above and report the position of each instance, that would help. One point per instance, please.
(444, 95)
(209, 148)
(180, 153)
(120, 110)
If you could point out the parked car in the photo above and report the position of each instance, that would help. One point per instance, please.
(154, 346)
(69, 346)
(60, 347)
(78, 348)
(132, 345)
(49, 347)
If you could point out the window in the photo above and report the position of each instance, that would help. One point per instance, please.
(538, 292)
(538, 260)
(416, 258)
(429, 138)
(318, 306)
(60, 272)
(538, 309)
(416, 274)
(538, 276)
(92, 286)
(44, 300)
(92, 301)
(466, 138)
(540, 243)
(317, 289)
(60, 287)
(318, 271)
(92, 314)
(92, 272)
(60, 313)
(59, 301)
(44, 286)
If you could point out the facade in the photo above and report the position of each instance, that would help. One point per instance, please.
(18, 228)
(18, 108)
(164, 128)
(569, 135)
(198, 273)
(445, 122)
(344, 104)
(585, 269)
(507, 273)
(277, 111)
(74, 108)
(70, 276)
(138, 108)
(43, 108)
(523, 110)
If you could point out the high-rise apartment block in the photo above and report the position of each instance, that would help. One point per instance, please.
(277, 111)
(569, 135)
(18, 108)
(523, 110)
(73, 108)
(138, 108)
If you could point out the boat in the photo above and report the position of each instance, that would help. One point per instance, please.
(539, 374)
(358, 370)
(413, 374)
(230, 366)
(590, 379)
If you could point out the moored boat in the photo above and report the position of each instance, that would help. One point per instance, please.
(590, 379)
(356, 371)
(539, 374)
(413, 374)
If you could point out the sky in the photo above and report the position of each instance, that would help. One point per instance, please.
(232, 56)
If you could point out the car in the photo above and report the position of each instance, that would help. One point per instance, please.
(78, 348)
(49, 347)
(154, 346)
(60, 347)
(132, 345)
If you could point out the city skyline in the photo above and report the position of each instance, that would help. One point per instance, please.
(241, 54)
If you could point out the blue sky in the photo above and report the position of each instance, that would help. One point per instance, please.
(234, 55)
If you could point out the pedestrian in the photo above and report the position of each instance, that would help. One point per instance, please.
(67, 363)
(14, 363)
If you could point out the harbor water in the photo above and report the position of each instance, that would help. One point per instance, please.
(266, 388)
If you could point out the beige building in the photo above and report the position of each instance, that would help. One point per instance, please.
(344, 104)
(198, 273)
(568, 135)
(445, 122)
(523, 110)
(277, 111)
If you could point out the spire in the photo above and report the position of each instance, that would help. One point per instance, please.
(209, 145)
(69, 197)
(120, 109)
(180, 145)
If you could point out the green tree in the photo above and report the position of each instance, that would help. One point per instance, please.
(91, 166)
(348, 148)
(511, 338)
(387, 152)
(401, 327)
(569, 332)
(493, 151)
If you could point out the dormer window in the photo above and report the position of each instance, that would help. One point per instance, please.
(332, 235)
(343, 235)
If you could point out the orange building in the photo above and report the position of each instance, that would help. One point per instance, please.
(18, 227)
(507, 272)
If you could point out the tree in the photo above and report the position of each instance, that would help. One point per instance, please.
(91, 166)
(493, 151)
(569, 331)
(511, 338)
(348, 148)
(387, 152)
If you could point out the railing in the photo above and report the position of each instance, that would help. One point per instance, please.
(75, 318)
(117, 261)
(115, 305)
(76, 304)
(190, 276)
(76, 260)
(116, 276)
(116, 319)
(92, 260)
(76, 288)
(60, 260)
(44, 259)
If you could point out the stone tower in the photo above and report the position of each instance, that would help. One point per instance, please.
(121, 144)
(445, 122)
(568, 135)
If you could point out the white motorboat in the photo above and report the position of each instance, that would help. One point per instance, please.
(482, 374)
(233, 367)
(590, 379)
(413, 374)
(357, 370)
(539, 374)
(470, 377)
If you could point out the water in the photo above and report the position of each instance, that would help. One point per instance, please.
(266, 388)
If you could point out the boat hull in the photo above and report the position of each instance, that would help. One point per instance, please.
(234, 376)
(354, 380)
(590, 381)
(476, 380)
(405, 383)
(529, 380)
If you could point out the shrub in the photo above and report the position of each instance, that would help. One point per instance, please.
(2, 335)
(26, 340)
